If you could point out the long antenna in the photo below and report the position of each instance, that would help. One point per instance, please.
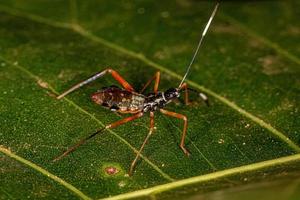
(199, 44)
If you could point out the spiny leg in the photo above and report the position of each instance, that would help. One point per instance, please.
(156, 77)
(200, 94)
(114, 74)
(184, 118)
(112, 125)
(143, 145)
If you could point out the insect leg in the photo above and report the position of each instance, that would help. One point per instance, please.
(184, 118)
(201, 95)
(114, 74)
(74, 147)
(156, 77)
(112, 125)
(143, 145)
(125, 120)
(186, 95)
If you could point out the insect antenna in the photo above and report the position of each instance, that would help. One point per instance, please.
(74, 147)
(199, 44)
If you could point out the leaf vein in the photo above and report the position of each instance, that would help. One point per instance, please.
(207, 177)
(45, 173)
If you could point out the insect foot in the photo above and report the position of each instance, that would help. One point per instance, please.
(185, 151)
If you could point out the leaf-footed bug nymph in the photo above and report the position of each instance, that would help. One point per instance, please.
(127, 100)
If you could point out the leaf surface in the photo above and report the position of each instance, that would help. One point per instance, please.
(249, 133)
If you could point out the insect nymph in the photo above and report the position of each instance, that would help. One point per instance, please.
(127, 100)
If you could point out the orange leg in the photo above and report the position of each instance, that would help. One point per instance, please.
(114, 74)
(138, 154)
(112, 125)
(184, 118)
(125, 120)
(186, 95)
(156, 77)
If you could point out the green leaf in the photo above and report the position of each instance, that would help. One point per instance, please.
(248, 66)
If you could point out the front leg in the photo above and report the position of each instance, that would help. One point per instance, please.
(184, 118)
(185, 87)
(186, 94)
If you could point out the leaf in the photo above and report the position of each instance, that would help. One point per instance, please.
(250, 133)
(289, 189)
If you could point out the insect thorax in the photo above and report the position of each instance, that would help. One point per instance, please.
(155, 101)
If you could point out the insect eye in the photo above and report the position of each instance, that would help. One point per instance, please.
(171, 93)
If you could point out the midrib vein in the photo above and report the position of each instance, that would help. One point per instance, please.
(37, 78)
(207, 177)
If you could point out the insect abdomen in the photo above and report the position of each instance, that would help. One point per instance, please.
(117, 99)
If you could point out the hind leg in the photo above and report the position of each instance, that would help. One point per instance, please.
(114, 74)
(109, 126)
(185, 87)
